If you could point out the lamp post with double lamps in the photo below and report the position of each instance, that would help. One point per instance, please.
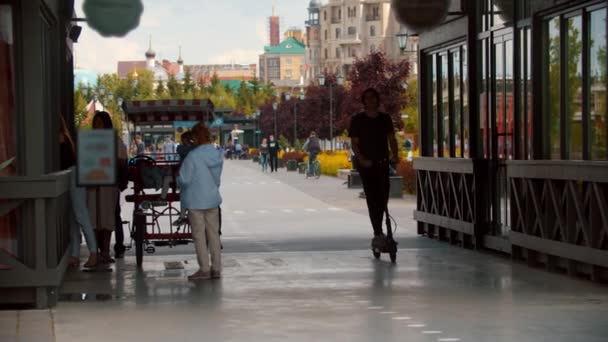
(275, 106)
(295, 115)
(340, 81)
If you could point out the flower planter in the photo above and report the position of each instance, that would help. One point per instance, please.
(396, 183)
(256, 159)
(302, 168)
(281, 163)
(354, 180)
(292, 165)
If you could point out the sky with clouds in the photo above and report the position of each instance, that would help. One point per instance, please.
(210, 32)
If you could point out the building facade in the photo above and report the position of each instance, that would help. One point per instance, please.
(514, 133)
(201, 73)
(283, 64)
(36, 82)
(341, 31)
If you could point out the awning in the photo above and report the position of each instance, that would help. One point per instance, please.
(166, 111)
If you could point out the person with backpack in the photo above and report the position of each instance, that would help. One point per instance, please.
(313, 147)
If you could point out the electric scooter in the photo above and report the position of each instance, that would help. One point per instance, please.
(389, 245)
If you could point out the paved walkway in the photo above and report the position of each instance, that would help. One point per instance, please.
(328, 288)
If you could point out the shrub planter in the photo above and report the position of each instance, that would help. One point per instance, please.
(292, 165)
(354, 180)
(302, 168)
(256, 159)
(396, 187)
(281, 163)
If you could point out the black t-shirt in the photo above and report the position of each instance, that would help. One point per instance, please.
(373, 134)
(273, 147)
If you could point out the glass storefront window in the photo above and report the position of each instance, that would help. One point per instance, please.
(8, 224)
(435, 103)
(575, 84)
(483, 99)
(445, 106)
(499, 99)
(7, 96)
(574, 98)
(554, 88)
(509, 100)
(597, 85)
(465, 104)
(528, 97)
(456, 80)
(447, 102)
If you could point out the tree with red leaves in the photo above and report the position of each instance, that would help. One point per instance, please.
(376, 71)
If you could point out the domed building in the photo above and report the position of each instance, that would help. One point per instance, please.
(160, 73)
(180, 75)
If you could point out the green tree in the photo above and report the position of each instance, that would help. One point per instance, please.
(189, 84)
(144, 90)
(80, 104)
(174, 87)
(161, 91)
(411, 123)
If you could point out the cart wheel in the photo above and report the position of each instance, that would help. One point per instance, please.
(376, 255)
(140, 226)
(393, 256)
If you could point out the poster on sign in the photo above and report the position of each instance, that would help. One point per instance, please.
(96, 157)
(113, 18)
(181, 127)
(420, 15)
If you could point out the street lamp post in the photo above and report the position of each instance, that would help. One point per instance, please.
(340, 80)
(257, 125)
(274, 108)
(295, 115)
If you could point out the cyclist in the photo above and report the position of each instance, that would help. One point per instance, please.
(313, 147)
(372, 134)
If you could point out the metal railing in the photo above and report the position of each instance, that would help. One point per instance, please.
(42, 206)
(559, 215)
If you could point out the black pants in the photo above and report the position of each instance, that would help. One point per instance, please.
(376, 184)
(274, 162)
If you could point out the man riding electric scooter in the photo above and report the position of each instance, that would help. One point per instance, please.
(372, 134)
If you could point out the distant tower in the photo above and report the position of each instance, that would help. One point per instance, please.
(274, 28)
(150, 56)
(180, 61)
(313, 42)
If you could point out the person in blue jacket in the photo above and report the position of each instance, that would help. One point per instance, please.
(199, 180)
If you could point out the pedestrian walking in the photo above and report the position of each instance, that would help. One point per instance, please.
(273, 154)
(80, 221)
(264, 155)
(102, 199)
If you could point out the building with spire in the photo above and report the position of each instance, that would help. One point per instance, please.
(201, 73)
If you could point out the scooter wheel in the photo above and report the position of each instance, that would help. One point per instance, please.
(393, 256)
(376, 255)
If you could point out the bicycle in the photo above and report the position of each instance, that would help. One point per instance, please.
(313, 170)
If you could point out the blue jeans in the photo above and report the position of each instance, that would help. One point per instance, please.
(80, 219)
(264, 161)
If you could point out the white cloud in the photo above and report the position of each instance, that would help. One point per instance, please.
(157, 15)
(261, 31)
(240, 56)
(102, 54)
